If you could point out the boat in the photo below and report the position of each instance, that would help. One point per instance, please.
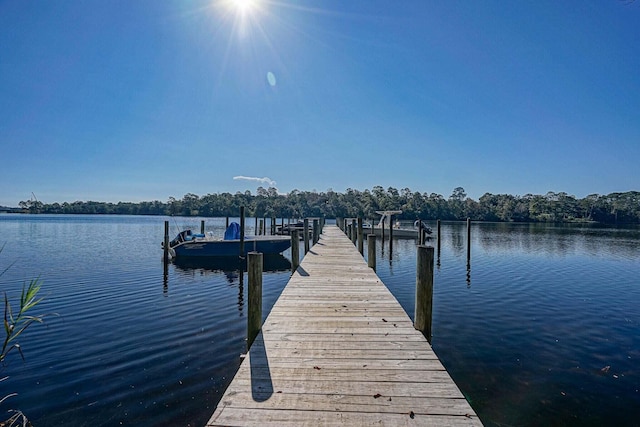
(399, 230)
(190, 244)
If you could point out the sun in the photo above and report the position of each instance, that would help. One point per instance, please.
(243, 6)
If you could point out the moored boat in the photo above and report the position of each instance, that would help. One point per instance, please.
(189, 244)
(399, 230)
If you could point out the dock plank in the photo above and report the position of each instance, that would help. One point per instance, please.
(337, 349)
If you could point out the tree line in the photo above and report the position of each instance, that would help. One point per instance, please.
(614, 208)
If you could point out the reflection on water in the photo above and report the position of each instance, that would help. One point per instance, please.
(232, 268)
(270, 262)
(549, 333)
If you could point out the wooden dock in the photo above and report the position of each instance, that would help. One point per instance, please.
(338, 349)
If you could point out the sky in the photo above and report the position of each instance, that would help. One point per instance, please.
(141, 100)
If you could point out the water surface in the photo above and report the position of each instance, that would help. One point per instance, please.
(541, 328)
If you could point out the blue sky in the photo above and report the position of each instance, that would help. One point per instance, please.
(132, 100)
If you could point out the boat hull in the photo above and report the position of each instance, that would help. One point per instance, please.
(222, 248)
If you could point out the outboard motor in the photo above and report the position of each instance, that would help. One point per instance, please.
(182, 236)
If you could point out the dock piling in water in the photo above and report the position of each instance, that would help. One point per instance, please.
(295, 250)
(316, 230)
(254, 309)
(468, 241)
(424, 291)
(354, 231)
(306, 235)
(439, 237)
(360, 236)
(165, 246)
(371, 251)
(241, 231)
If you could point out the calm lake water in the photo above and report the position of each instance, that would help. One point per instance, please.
(543, 328)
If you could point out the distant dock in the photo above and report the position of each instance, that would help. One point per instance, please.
(338, 349)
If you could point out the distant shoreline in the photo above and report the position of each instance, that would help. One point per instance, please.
(614, 208)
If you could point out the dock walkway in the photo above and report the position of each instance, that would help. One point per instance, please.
(338, 349)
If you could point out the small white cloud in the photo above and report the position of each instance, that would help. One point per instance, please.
(264, 180)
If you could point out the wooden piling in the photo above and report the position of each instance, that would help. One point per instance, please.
(241, 231)
(254, 309)
(439, 236)
(316, 231)
(255, 227)
(424, 291)
(165, 246)
(354, 231)
(360, 236)
(468, 241)
(260, 227)
(306, 235)
(226, 223)
(295, 250)
(371, 251)
(202, 226)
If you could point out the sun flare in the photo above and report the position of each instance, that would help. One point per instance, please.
(243, 6)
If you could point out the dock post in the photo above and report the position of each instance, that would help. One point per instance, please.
(371, 251)
(306, 235)
(382, 230)
(226, 223)
(354, 231)
(439, 239)
(468, 241)
(295, 250)
(254, 309)
(348, 230)
(316, 231)
(202, 226)
(255, 227)
(165, 246)
(390, 237)
(424, 291)
(360, 236)
(241, 231)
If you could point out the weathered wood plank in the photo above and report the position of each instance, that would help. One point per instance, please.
(277, 418)
(338, 349)
(347, 403)
(336, 374)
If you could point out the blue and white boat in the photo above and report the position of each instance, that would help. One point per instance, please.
(189, 244)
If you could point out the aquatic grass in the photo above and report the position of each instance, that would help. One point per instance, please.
(14, 325)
